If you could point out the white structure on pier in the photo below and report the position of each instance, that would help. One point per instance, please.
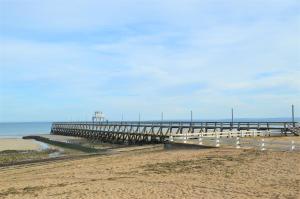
(98, 117)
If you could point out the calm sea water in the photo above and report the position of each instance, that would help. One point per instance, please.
(19, 129)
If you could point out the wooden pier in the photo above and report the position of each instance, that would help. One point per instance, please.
(159, 132)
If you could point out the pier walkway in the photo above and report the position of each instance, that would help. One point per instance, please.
(160, 132)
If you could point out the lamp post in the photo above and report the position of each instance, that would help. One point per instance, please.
(139, 118)
(293, 115)
(231, 117)
(191, 118)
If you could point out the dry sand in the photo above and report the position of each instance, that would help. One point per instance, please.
(18, 144)
(156, 173)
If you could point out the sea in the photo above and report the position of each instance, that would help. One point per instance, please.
(20, 129)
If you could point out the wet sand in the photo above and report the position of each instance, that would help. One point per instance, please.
(157, 173)
(18, 144)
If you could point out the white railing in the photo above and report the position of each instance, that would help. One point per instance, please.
(242, 139)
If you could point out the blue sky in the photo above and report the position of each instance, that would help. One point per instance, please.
(62, 60)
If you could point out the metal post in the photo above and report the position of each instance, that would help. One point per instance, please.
(191, 116)
(162, 116)
(293, 115)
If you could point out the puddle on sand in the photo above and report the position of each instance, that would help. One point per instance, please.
(45, 146)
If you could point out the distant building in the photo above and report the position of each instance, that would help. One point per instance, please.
(98, 117)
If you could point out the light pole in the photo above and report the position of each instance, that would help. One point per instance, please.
(231, 117)
(191, 117)
(293, 115)
(139, 118)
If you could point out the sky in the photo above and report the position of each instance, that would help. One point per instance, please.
(65, 59)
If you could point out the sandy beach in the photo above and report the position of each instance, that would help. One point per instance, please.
(149, 99)
(18, 144)
(157, 173)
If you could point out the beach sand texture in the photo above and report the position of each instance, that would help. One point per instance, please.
(18, 144)
(156, 173)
